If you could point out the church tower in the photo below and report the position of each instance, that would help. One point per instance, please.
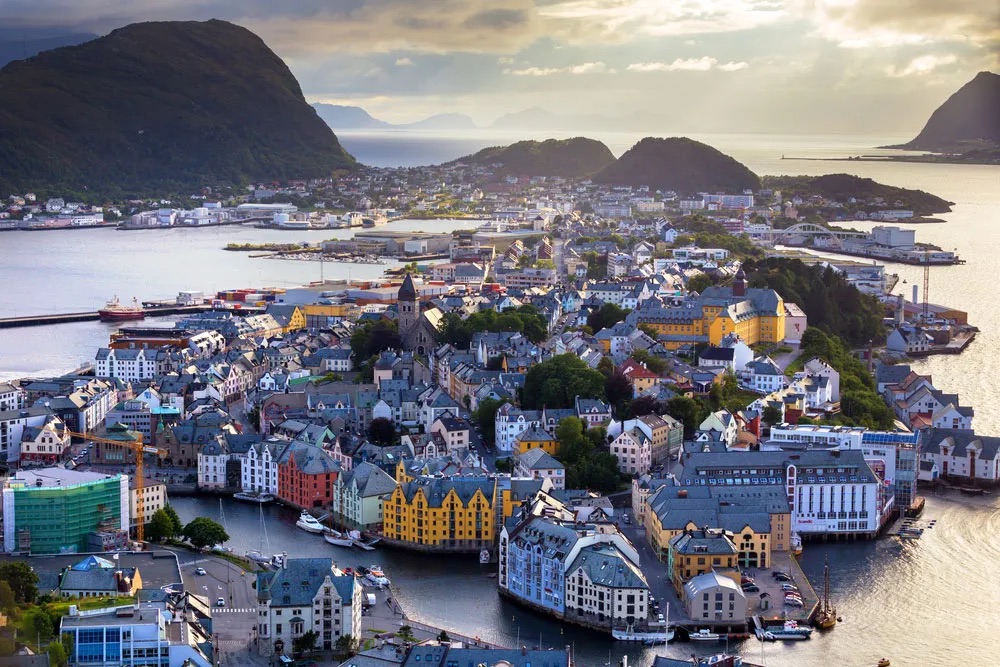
(740, 283)
(408, 306)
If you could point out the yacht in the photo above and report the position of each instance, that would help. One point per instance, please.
(308, 523)
(705, 635)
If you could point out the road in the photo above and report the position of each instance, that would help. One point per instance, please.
(657, 576)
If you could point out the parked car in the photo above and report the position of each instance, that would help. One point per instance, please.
(790, 588)
(793, 602)
(200, 571)
(781, 576)
(751, 588)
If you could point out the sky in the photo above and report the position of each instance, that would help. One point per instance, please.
(788, 66)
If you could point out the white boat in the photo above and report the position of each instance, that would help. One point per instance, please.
(253, 497)
(628, 634)
(376, 577)
(337, 538)
(789, 631)
(704, 635)
(308, 523)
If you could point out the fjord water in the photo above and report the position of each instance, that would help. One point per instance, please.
(930, 602)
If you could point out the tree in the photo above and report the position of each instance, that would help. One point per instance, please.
(22, 580)
(698, 283)
(606, 316)
(372, 338)
(175, 520)
(655, 364)
(160, 526)
(7, 602)
(688, 412)
(405, 631)
(382, 431)
(203, 532)
(649, 330)
(41, 624)
(304, 642)
(771, 415)
(443, 637)
(618, 389)
(57, 654)
(486, 415)
(556, 382)
(345, 643)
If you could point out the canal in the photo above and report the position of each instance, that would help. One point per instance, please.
(889, 594)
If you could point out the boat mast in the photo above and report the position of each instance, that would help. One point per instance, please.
(826, 586)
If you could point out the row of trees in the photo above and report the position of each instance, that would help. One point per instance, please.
(458, 331)
(201, 532)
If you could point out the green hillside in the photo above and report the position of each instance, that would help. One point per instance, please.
(679, 164)
(569, 158)
(158, 107)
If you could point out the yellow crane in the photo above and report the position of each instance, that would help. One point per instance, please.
(137, 448)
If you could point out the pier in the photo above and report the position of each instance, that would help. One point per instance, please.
(90, 316)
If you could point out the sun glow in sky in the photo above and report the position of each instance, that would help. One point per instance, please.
(864, 66)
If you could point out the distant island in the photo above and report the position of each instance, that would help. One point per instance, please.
(343, 117)
(159, 107)
(568, 158)
(965, 129)
(679, 164)
(845, 187)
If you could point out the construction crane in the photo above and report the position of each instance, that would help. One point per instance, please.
(927, 286)
(137, 448)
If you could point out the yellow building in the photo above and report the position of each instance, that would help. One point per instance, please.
(322, 316)
(290, 318)
(536, 438)
(755, 315)
(442, 514)
(696, 552)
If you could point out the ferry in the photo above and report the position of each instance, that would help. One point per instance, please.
(254, 497)
(308, 523)
(114, 311)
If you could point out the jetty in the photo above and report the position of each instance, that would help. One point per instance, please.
(90, 316)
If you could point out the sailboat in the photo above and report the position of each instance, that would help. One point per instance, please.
(222, 548)
(263, 543)
(826, 618)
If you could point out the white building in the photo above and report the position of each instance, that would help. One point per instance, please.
(764, 376)
(259, 467)
(307, 594)
(153, 497)
(129, 365)
(818, 367)
(358, 496)
(11, 397)
(511, 422)
(212, 459)
(634, 452)
(537, 464)
(12, 425)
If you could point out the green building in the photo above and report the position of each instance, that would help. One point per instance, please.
(54, 510)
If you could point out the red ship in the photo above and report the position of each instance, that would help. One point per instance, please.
(114, 311)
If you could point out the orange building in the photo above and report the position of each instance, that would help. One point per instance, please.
(306, 474)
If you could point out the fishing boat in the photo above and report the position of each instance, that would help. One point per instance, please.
(826, 618)
(115, 311)
(337, 538)
(253, 497)
(789, 631)
(705, 635)
(376, 576)
(308, 523)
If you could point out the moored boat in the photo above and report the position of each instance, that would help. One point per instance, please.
(115, 311)
(826, 618)
(308, 523)
(704, 635)
(253, 497)
(337, 538)
(789, 631)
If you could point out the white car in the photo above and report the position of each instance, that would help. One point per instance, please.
(221, 602)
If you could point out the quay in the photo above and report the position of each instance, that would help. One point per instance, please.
(89, 316)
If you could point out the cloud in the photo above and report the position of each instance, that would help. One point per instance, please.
(703, 64)
(862, 24)
(921, 65)
(404, 62)
(497, 19)
(583, 68)
(505, 60)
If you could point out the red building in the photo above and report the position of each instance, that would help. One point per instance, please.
(306, 475)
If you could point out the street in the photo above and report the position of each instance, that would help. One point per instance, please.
(657, 577)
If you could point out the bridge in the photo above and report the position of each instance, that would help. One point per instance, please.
(810, 229)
